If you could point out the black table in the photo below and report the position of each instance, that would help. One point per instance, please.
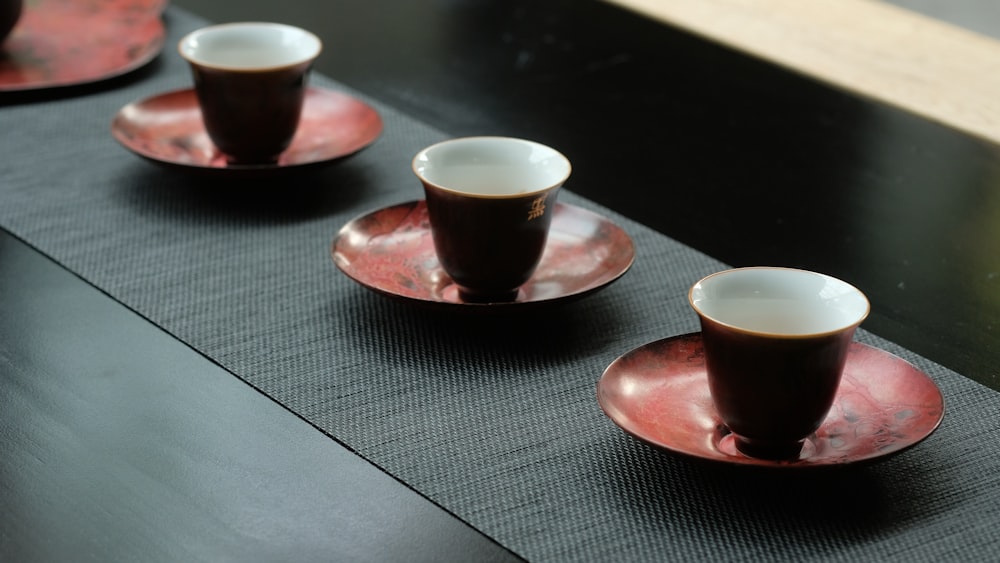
(669, 130)
(130, 430)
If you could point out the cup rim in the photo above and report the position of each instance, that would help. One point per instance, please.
(476, 138)
(858, 319)
(310, 55)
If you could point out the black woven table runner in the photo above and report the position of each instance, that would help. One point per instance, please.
(494, 419)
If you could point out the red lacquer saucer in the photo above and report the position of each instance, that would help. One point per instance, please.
(70, 42)
(659, 394)
(390, 251)
(168, 129)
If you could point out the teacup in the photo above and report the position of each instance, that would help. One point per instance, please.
(10, 12)
(250, 79)
(490, 203)
(776, 342)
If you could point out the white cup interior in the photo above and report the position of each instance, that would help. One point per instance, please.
(781, 301)
(491, 166)
(250, 46)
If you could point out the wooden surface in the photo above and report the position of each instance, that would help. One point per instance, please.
(121, 443)
(910, 221)
(906, 205)
(934, 69)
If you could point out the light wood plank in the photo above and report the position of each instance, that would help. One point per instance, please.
(934, 69)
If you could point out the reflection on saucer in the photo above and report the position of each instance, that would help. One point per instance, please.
(390, 251)
(659, 394)
(60, 43)
(168, 129)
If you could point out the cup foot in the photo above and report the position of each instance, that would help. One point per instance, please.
(777, 451)
(270, 161)
(470, 296)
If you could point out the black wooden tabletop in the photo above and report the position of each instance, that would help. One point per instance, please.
(747, 162)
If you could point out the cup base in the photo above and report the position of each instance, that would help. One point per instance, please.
(472, 296)
(777, 451)
(270, 161)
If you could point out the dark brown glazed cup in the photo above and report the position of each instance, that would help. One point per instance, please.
(490, 202)
(776, 340)
(250, 80)
(10, 12)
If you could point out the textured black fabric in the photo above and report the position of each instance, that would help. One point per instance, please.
(493, 418)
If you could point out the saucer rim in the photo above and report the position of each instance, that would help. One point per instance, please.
(154, 48)
(723, 459)
(492, 307)
(242, 169)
